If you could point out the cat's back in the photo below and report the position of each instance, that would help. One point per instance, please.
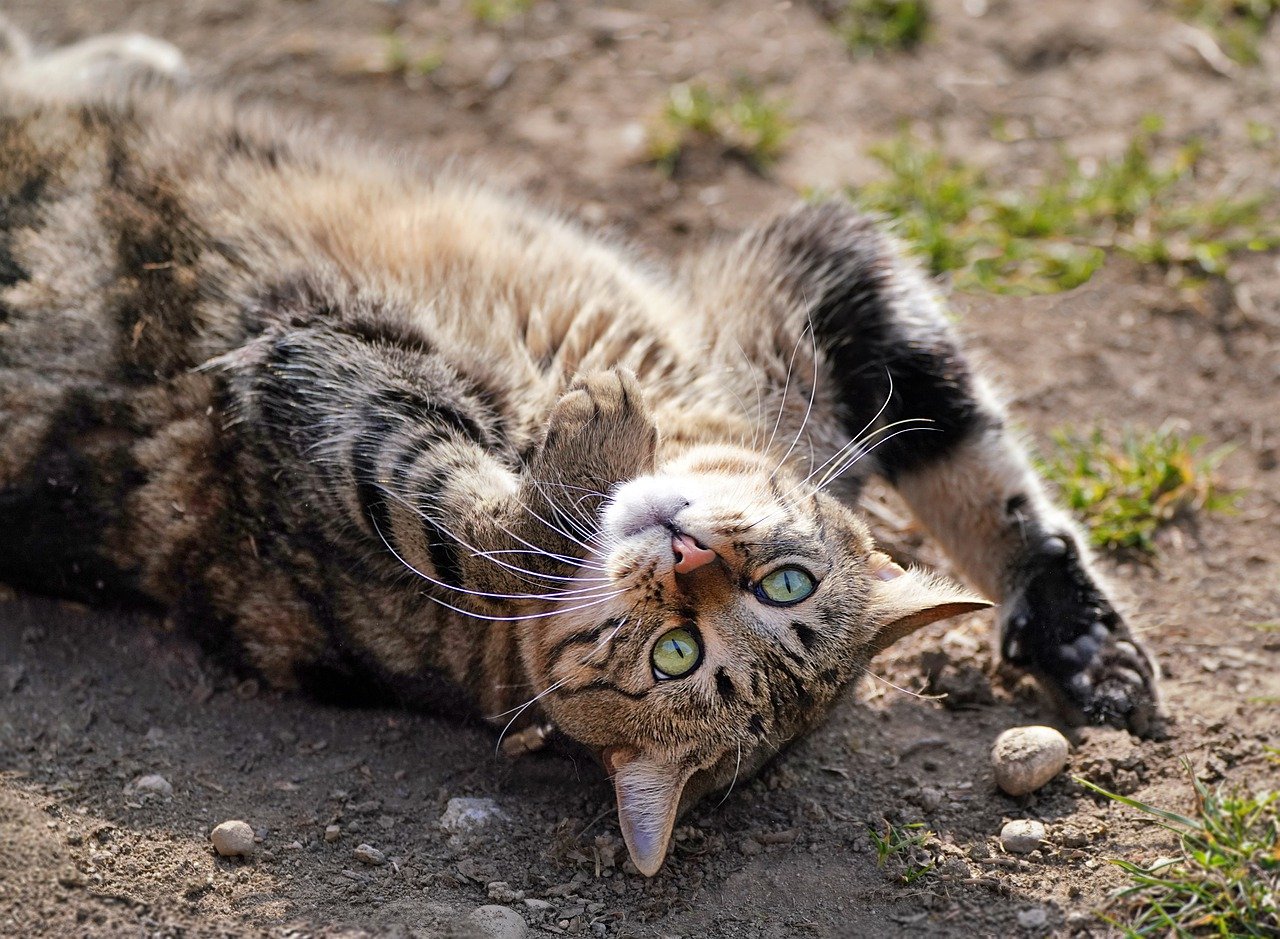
(185, 201)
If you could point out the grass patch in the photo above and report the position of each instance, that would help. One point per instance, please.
(397, 59)
(1224, 879)
(497, 12)
(1055, 235)
(905, 848)
(870, 26)
(1126, 489)
(741, 121)
(1238, 26)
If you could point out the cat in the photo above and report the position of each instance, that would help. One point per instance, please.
(379, 430)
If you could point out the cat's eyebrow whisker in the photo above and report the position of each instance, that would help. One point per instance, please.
(869, 450)
(813, 394)
(786, 386)
(853, 450)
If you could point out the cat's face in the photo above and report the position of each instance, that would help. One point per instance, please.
(748, 601)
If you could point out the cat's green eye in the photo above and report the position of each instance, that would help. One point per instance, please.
(786, 585)
(677, 653)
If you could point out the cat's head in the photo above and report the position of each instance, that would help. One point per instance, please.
(749, 600)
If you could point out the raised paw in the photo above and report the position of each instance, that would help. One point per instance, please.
(599, 433)
(1060, 626)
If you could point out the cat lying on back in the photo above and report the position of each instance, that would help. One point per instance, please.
(384, 431)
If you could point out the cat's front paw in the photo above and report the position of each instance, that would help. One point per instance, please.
(600, 433)
(1060, 626)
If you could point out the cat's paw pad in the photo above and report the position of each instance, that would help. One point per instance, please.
(1060, 627)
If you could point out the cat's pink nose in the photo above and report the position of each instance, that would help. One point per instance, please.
(689, 554)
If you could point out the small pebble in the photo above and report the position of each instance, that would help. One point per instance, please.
(153, 783)
(233, 839)
(1033, 918)
(368, 854)
(332, 833)
(1021, 836)
(929, 799)
(469, 814)
(498, 922)
(536, 905)
(1025, 758)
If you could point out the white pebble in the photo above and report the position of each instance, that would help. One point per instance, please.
(233, 839)
(1021, 836)
(154, 784)
(368, 854)
(498, 922)
(1025, 758)
(1033, 918)
(332, 833)
(469, 814)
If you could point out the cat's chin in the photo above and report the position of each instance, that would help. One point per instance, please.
(641, 505)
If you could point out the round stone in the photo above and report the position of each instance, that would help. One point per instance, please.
(498, 922)
(1025, 758)
(153, 784)
(1021, 836)
(233, 839)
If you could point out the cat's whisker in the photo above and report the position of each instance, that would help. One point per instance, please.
(584, 593)
(417, 510)
(907, 691)
(755, 377)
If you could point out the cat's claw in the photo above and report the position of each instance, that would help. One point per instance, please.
(1059, 626)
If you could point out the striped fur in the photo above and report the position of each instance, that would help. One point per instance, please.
(382, 431)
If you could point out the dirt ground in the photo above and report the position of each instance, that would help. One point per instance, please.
(556, 101)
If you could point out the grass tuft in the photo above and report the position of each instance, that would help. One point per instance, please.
(1238, 26)
(1225, 879)
(870, 26)
(742, 121)
(905, 847)
(1126, 490)
(1055, 235)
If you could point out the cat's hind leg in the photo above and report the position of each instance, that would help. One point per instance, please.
(968, 481)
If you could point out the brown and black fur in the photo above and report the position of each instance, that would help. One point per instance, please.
(366, 424)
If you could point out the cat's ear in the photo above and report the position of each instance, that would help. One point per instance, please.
(904, 600)
(648, 796)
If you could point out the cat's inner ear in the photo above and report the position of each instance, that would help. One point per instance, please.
(904, 600)
(648, 793)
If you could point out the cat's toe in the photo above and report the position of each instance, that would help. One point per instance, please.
(1061, 628)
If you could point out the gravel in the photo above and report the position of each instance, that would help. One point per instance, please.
(233, 839)
(1025, 758)
(1022, 836)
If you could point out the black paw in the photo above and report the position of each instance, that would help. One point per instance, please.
(1059, 626)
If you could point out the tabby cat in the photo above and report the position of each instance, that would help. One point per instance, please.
(384, 431)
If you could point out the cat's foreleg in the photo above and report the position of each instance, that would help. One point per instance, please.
(402, 459)
(967, 480)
